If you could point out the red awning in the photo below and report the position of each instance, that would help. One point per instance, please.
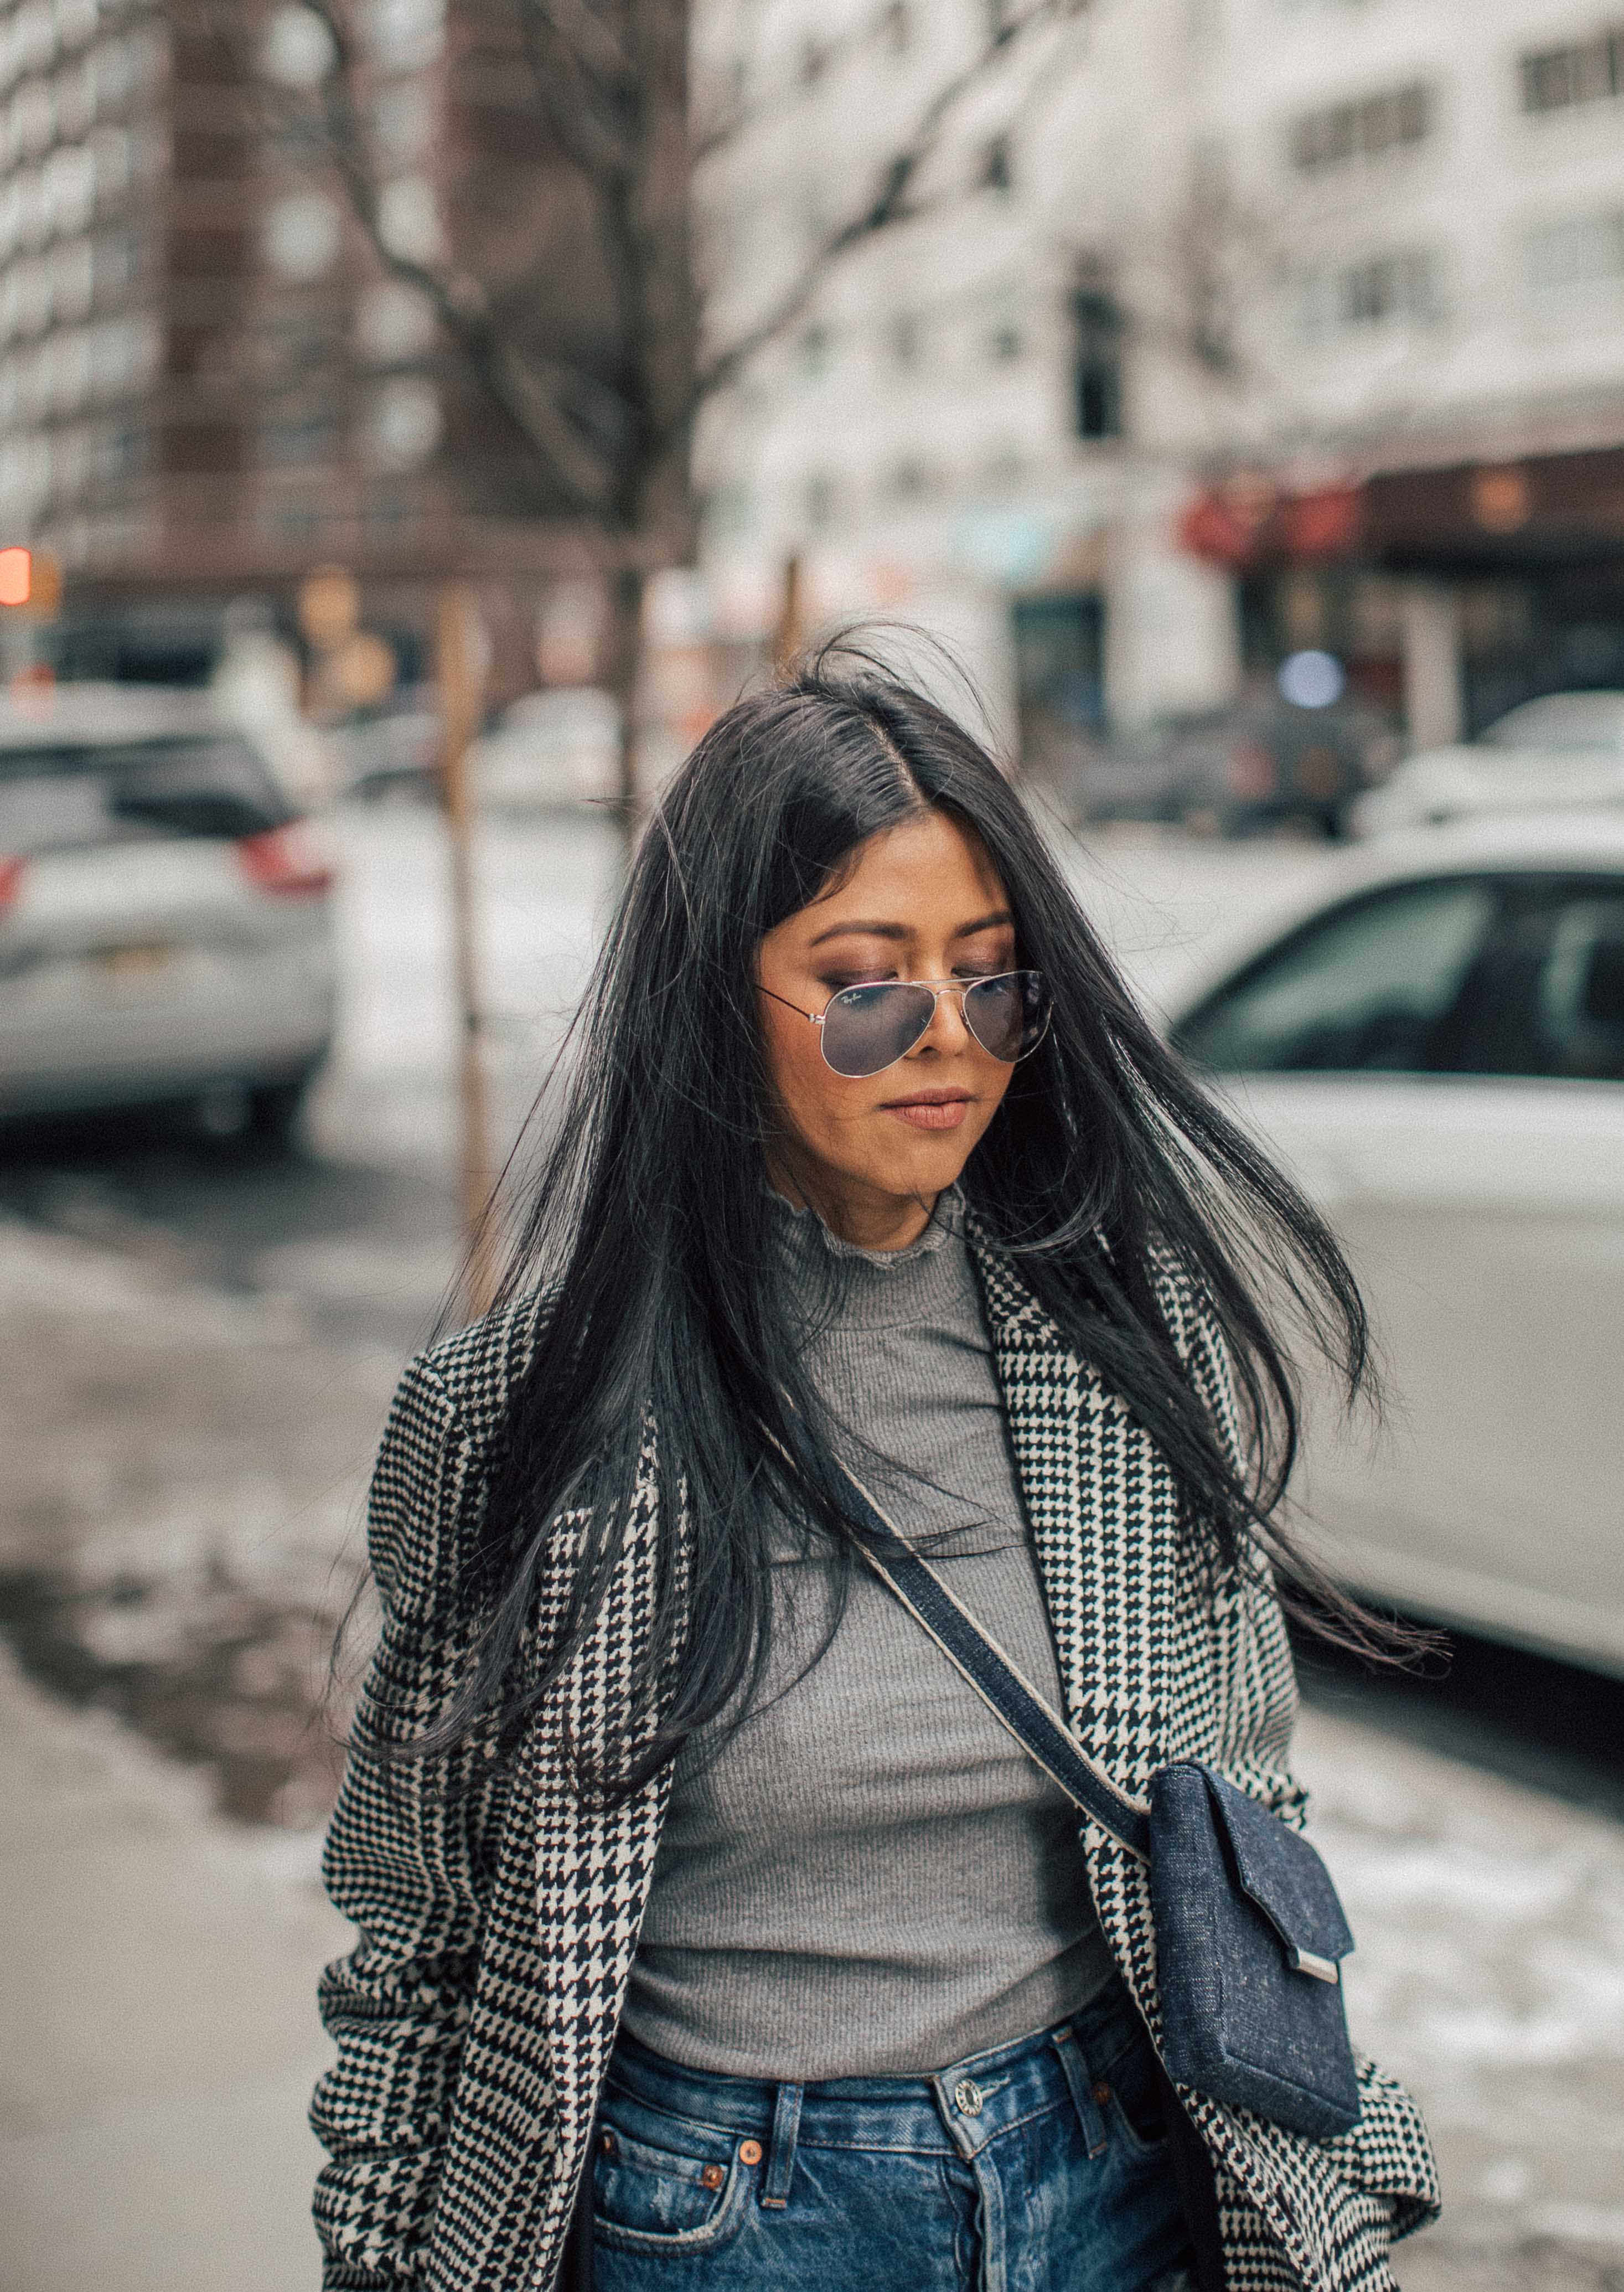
(1250, 520)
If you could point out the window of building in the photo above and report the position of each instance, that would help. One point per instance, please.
(997, 171)
(730, 509)
(820, 500)
(294, 525)
(1588, 71)
(299, 440)
(403, 424)
(69, 188)
(404, 35)
(1381, 290)
(388, 514)
(296, 49)
(393, 321)
(907, 337)
(301, 234)
(1097, 318)
(409, 219)
(1004, 469)
(72, 280)
(111, 158)
(33, 118)
(813, 61)
(76, 98)
(898, 27)
(815, 351)
(1004, 341)
(913, 480)
(115, 262)
(1367, 128)
(404, 122)
(33, 35)
(1577, 251)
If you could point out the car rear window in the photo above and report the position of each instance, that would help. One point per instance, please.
(62, 797)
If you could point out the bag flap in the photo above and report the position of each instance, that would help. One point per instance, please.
(1281, 1872)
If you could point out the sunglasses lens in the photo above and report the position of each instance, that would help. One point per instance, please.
(1008, 1015)
(868, 1029)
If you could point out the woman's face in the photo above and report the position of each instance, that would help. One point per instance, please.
(920, 901)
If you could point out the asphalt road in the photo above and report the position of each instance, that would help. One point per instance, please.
(199, 1343)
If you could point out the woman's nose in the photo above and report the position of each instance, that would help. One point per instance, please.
(947, 1032)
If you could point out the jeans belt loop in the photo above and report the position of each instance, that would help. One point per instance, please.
(1079, 2079)
(781, 2147)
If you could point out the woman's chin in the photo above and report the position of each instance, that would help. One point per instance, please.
(923, 1162)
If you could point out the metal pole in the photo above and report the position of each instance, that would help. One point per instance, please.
(458, 663)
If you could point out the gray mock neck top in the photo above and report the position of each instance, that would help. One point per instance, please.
(870, 1877)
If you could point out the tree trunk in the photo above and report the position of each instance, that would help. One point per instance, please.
(622, 674)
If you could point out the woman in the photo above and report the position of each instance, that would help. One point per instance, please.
(713, 1932)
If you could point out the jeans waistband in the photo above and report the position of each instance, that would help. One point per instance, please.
(956, 2111)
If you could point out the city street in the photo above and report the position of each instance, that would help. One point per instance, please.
(200, 1341)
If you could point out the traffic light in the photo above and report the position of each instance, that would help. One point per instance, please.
(31, 578)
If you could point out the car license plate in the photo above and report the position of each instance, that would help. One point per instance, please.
(137, 962)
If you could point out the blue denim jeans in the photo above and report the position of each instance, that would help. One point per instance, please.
(1039, 2167)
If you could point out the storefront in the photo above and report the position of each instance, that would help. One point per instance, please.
(1449, 594)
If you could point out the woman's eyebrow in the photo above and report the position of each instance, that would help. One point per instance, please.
(1000, 917)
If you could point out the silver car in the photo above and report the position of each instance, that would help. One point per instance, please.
(1437, 1048)
(164, 925)
(1564, 752)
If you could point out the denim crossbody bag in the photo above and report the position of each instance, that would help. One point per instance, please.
(1249, 1934)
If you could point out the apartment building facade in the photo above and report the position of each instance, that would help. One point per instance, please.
(209, 382)
(1231, 327)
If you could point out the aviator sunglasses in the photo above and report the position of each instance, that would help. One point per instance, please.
(864, 1029)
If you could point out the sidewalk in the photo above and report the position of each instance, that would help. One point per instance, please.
(158, 2039)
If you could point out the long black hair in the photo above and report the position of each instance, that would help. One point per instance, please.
(648, 1227)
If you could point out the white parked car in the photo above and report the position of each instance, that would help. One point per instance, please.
(1435, 1046)
(555, 747)
(1566, 752)
(164, 930)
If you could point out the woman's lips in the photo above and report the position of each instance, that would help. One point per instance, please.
(930, 1112)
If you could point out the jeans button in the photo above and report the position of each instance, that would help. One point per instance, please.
(967, 2097)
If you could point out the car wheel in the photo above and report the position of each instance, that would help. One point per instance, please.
(274, 1108)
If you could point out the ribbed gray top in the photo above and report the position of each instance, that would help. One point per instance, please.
(870, 1877)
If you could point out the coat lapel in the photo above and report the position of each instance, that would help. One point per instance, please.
(1104, 1512)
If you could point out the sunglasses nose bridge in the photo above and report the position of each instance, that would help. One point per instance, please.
(951, 999)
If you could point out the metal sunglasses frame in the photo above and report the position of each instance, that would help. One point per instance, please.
(958, 987)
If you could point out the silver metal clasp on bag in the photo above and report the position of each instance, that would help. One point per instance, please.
(1321, 1969)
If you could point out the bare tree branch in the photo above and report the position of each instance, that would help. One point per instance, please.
(611, 85)
(533, 393)
(575, 93)
(725, 125)
(890, 202)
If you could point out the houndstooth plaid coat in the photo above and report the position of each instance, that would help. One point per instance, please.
(498, 1918)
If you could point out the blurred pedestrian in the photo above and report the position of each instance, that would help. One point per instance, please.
(714, 1930)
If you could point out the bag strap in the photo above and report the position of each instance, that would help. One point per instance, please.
(984, 1664)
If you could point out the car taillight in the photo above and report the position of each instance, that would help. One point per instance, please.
(11, 880)
(1250, 772)
(286, 861)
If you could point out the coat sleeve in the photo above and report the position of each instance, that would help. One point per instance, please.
(408, 1859)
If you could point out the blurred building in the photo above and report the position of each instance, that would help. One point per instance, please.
(208, 383)
(1229, 328)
